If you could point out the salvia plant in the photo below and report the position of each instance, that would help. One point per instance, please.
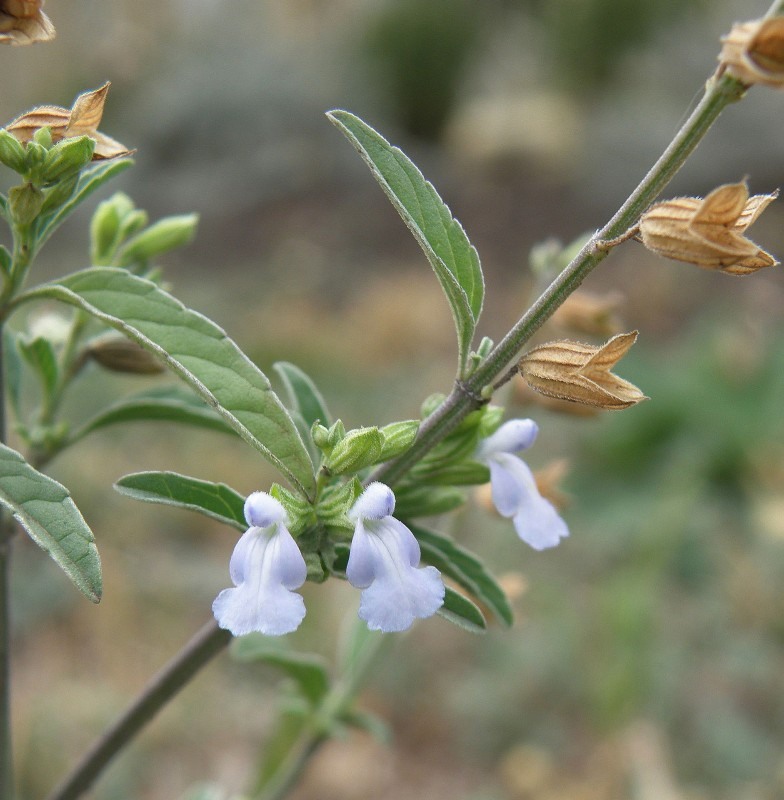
(349, 504)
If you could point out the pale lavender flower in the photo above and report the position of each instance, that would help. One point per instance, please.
(265, 566)
(383, 562)
(515, 494)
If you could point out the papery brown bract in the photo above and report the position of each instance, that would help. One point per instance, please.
(23, 22)
(82, 119)
(753, 52)
(581, 372)
(709, 233)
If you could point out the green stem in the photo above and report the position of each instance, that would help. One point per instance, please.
(332, 709)
(206, 644)
(462, 400)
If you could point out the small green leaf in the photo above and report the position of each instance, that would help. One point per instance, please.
(426, 501)
(13, 369)
(164, 235)
(215, 500)
(90, 179)
(303, 395)
(44, 508)
(462, 612)
(308, 670)
(465, 569)
(40, 355)
(466, 473)
(200, 353)
(170, 404)
(440, 235)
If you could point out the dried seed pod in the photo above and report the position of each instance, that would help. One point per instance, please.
(753, 52)
(82, 119)
(23, 22)
(709, 232)
(581, 372)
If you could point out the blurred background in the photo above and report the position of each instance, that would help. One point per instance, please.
(647, 661)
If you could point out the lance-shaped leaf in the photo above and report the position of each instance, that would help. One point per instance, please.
(304, 397)
(170, 404)
(199, 352)
(440, 235)
(215, 500)
(462, 612)
(465, 569)
(44, 508)
(308, 670)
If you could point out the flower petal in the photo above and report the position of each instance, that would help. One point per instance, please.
(511, 437)
(376, 502)
(269, 565)
(538, 523)
(511, 480)
(262, 510)
(383, 562)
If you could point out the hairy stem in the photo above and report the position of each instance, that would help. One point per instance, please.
(719, 93)
(206, 644)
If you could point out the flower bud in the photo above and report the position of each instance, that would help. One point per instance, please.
(359, 448)
(118, 354)
(581, 372)
(58, 194)
(709, 232)
(753, 52)
(12, 154)
(67, 157)
(164, 235)
(25, 203)
(398, 437)
(320, 435)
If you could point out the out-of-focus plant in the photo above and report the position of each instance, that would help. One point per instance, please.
(350, 503)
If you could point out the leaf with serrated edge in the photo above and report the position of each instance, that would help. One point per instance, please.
(199, 352)
(44, 508)
(215, 500)
(462, 612)
(439, 234)
(465, 569)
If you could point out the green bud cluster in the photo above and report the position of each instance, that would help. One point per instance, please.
(120, 235)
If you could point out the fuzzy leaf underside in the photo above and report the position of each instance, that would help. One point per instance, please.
(45, 510)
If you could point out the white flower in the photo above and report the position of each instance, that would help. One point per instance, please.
(383, 562)
(514, 488)
(265, 566)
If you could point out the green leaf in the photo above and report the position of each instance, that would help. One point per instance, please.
(13, 369)
(462, 612)
(466, 570)
(304, 397)
(40, 355)
(215, 500)
(90, 179)
(308, 670)
(440, 235)
(44, 508)
(199, 352)
(170, 404)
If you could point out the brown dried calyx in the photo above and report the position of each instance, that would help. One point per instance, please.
(581, 372)
(82, 119)
(709, 232)
(23, 22)
(753, 52)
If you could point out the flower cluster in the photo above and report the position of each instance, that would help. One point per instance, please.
(267, 566)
